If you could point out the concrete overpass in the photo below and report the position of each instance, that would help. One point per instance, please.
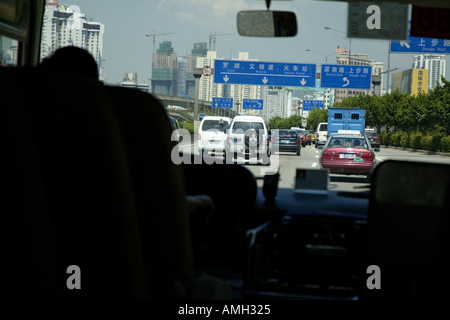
(188, 103)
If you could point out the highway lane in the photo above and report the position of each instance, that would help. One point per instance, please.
(309, 159)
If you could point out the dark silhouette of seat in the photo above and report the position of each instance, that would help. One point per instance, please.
(408, 226)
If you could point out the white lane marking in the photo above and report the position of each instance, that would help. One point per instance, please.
(314, 164)
(317, 156)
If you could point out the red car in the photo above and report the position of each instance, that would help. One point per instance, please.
(348, 154)
(305, 136)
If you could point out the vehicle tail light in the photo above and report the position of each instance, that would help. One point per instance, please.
(297, 141)
(378, 139)
(199, 136)
(268, 142)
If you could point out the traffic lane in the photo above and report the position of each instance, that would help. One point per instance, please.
(290, 162)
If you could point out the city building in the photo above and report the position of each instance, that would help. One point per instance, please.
(199, 51)
(66, 26)
(165, 70)
(343, 57)
(434, 63)
(8, 50)
(275, 102)
(181, 76)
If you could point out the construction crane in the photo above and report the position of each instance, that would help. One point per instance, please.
(153, 34)
(213, 36)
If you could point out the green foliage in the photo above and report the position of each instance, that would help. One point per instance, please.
(415, 140)
(316, 116)
(405, 140)
(426, 142)
(189, 126)
(436, 142)
(396, 138)
(445, 144)
(385, 138)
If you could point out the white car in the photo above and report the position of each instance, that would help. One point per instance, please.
(248, 136)
(212, 134)
(321, 134)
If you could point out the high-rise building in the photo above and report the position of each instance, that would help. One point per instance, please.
(181, 76)
(434, 63)
(199, 51)
(66, 26)
(164, 70)
(275, 102)
(359, 61)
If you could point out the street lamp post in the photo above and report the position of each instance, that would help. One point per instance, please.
(326, 57)
(350, 41)
(349, 47)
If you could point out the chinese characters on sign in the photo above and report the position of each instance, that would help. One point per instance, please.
(225, 103)
(252, 104)
(346, 77)
(419, 81)
(308, 105)
(421, 45)
(265, 73)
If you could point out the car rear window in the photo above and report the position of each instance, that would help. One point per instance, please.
(245, 125)
(339, 142)
(214, 124)
(323, 127)
(371, 134)
(287, 134)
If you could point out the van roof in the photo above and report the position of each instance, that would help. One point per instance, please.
(216, 118)
(249, 118)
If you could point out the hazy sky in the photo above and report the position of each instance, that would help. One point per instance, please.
(127, 49)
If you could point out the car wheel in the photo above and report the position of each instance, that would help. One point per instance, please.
(316, 144)
(298, 152)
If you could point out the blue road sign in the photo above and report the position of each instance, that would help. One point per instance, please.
(421, 45)
(225, 103)
(308, 105)
(252, 104)
(346, 76)
(265, 73)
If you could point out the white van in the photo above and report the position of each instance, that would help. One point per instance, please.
(249, 136)
(212, 134)
(321, 134)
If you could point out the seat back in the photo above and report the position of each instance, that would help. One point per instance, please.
(408, 235)
(68, 198)
(158, 189)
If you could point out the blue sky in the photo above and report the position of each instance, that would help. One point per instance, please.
(127, 49)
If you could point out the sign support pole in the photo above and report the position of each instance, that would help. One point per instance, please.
(389, 68)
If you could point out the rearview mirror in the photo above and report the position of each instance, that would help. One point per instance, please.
(267, 23)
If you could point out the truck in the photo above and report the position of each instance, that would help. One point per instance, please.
(346, 119)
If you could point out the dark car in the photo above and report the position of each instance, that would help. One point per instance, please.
(373, 137)
(286, 141)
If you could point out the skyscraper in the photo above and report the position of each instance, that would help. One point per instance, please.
(434, 63)
(164, 70)
(67, 26)
(199, 51)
